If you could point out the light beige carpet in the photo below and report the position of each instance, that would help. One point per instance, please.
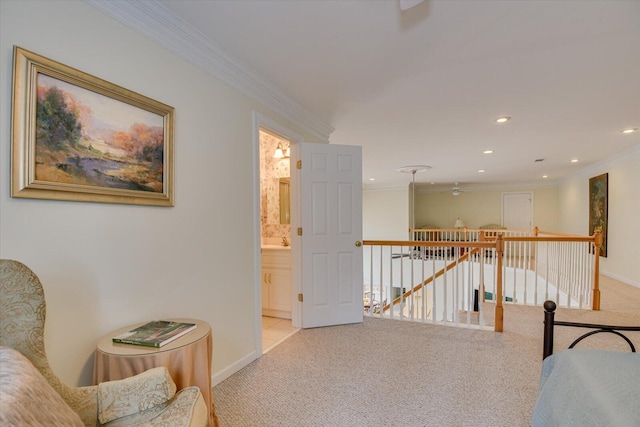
(394, 373)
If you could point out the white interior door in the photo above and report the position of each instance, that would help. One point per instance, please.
(331, 218)
(517, 211)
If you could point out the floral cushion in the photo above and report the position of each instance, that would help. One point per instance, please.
(120, 398)
(185, 409)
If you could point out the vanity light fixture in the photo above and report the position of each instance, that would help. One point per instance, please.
(281, 153)
(629, 130)
(503, 119)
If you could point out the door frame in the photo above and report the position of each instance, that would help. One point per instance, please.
(261, 121)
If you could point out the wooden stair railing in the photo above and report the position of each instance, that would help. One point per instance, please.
(498, 243)
(441, 272)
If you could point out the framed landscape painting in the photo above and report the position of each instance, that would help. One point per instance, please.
(598, 206)
(77, 137)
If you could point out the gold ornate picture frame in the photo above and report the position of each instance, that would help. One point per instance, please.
(80, 138)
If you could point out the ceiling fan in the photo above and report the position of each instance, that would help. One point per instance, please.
(455, 190)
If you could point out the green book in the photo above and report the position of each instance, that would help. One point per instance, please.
(155, 334)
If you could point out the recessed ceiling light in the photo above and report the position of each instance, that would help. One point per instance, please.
(503, 119)
(481, 171)
(488, 151)
(629, 130)
(372, 179)
(574, 160)
(545, 176)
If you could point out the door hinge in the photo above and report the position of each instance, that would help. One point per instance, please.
(300, 297)
(299, 164)
(299, 231)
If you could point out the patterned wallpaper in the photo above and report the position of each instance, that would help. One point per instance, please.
(271, 170)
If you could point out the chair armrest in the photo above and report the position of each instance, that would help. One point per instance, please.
(131, 395)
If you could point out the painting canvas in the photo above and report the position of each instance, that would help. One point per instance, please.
(77, 137)
(598, 206)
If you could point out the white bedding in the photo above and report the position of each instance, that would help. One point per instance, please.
(589, 388)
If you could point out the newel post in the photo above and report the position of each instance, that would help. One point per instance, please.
(499, 313)
(595, 294)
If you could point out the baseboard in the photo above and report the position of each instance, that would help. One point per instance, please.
(218, 377)
(620, 279)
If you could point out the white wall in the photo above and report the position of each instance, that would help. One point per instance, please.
(622, 261)
(105, 266)
(385, 214)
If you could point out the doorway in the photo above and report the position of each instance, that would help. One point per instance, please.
(275, 331)
(275, 308)
(341, 219)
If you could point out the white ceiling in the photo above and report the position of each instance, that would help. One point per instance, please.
(424, 86)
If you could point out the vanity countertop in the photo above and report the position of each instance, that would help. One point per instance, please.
(280, 247)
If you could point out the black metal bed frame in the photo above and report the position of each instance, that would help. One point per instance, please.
(549, 323)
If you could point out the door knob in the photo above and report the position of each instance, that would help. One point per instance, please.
(358, 243)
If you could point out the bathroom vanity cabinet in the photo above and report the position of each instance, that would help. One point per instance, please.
(277, 293)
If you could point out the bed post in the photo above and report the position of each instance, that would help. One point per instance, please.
(549, 313)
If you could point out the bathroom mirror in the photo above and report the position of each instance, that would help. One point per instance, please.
(284, 200)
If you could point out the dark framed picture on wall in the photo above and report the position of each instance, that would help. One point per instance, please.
(598, 207)
(80, 138)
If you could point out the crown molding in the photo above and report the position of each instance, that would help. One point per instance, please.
(153, 20)
(598, 168)
(395, 188)
(506, 186)
(423, 187)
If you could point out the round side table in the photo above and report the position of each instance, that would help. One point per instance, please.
(187, 358)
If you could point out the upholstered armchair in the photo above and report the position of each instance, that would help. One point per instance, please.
(149, 398)
(491, 230)
(428, 235)
(492, 227)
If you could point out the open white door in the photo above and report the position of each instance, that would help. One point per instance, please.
(331, 218)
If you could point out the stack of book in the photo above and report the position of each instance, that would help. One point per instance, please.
(155, 334)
